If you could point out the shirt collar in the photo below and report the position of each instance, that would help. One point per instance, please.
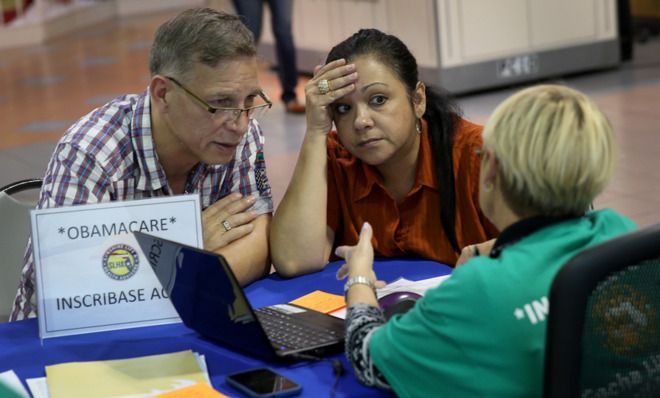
(368, 176)
(521, 229)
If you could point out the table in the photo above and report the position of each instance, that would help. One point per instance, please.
(21, 350)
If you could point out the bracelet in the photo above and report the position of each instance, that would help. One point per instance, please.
(358, 280)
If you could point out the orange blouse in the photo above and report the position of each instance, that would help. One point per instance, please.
(411, 228)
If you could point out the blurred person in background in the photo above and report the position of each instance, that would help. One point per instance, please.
(281, 12)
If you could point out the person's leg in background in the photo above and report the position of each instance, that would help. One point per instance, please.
(281, 20)
(625, 29)
(252, 12)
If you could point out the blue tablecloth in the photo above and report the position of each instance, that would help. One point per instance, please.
(21, 350)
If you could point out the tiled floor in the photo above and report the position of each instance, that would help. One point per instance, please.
(43, 89)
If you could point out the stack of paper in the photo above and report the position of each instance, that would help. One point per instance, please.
(147, 376)
(401, 285)
(404, 285)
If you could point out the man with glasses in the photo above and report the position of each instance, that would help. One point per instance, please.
(193, 130)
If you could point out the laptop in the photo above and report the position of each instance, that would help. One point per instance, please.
(209, 300)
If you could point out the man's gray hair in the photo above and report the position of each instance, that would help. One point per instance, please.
(199, 35)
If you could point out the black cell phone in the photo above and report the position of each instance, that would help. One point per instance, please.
(263, 382)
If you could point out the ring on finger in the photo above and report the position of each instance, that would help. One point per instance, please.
(226, 225)
(324, 86)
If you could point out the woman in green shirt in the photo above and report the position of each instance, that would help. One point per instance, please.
(547, 152)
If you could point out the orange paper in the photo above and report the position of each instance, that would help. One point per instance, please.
(199, 390)
(321, 301)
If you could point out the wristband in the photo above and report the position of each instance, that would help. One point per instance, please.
(358, 280)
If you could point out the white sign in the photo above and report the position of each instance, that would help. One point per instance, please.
(91, 273)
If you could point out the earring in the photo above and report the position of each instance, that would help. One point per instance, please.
(418, 126)
(488, 186)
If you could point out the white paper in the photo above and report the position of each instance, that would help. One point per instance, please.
(38, 387)
(91, 273)
(340, 313)
(401, 285)
(288, 309)
(405, 285)
(9, 379)
(201, 361)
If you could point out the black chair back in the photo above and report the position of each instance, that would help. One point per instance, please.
(22, 185)
(604, 321)
(16, 201)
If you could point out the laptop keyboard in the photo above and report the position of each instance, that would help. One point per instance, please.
(289, 333)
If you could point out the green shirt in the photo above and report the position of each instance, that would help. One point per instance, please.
(6, 392)
(482, 332)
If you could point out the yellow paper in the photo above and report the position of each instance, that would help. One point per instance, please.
(321, 301)
(199, 390)
(144, 375)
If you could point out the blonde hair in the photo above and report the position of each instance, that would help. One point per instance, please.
(555, 150)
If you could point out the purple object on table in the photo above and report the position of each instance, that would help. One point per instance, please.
(397, 303)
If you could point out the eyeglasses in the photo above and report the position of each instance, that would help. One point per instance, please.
(253, 112)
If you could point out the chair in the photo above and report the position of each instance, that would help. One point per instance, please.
(603, 334)
(16, 201)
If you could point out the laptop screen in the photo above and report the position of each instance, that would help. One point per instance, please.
(205, 293)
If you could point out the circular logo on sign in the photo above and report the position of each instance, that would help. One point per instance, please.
(120, 262)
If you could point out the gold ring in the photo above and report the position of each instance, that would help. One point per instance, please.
(324, 86)
(226, 225)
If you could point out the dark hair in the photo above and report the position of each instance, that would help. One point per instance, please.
(441, 113)
(199, 35)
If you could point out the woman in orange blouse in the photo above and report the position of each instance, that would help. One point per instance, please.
(402, 159)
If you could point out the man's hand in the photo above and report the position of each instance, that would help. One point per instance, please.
(227, 220)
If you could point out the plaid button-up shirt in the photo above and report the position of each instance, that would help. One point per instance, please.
(109, 155)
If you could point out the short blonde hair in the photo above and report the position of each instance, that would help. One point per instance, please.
(555, 150)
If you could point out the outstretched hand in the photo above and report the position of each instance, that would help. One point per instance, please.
(359, 258)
